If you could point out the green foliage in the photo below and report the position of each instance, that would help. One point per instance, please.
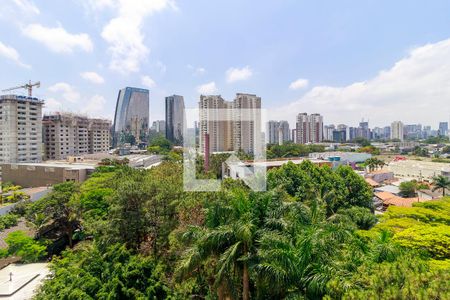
(363, 142)
(441, 183)
(117, 273)
(8, 220)
(369, 149)
(27, 248)
(291, 150)
(159, 145)
(408, 189)
(437, 140)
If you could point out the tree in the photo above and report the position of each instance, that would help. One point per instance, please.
(24, 246)
(60, 208)
(441, 183)
(408, 189)
(160, 145)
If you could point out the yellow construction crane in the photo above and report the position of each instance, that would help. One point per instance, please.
(28, 86)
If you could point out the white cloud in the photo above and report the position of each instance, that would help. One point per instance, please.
(124, 32)
(96, 105)
(92, 77)
(299, 84)
(148, 82)
(27, 6)
(207, 88)
(12, 54)
(65, 91)
(57, 39)
(416, 89)
(52, 105)
(236, 74)
(197, 70)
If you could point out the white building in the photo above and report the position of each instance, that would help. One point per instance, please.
(278, 132)
(20, 129)
(397, 129)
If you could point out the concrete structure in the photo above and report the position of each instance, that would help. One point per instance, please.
(175, 119)
(309, 128)
(278, 132)
(67, 134)
(25, 280)
(419, 170)
(44, 174)
(231, 126)
(131, 120)
(341, 158)
(443, 128)
(397, 131)
(20, 129)
(241, 170)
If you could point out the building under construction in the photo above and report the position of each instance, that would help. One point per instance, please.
(67, 134)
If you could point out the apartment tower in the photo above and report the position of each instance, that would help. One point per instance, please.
(20, 129)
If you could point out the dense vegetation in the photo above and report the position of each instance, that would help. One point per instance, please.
(137, 235)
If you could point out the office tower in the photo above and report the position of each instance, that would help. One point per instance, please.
(413, 131)
(131, 119)
(20, 129)
(66, 134)
(309, 128)
(339, 136)
(278, 132)
(213, 109)
(159, 126)
(328, 132)
(364, 130)
(387, 132)
(247, 122)
(397, 131)
(175, 118)
(99, 135)
(443, 128)
(352, 133)
(294, 135)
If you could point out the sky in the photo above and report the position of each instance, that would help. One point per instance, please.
(376, 60)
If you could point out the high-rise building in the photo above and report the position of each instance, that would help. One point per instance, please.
(99, 135)
(397, 131)
(364, 130)
(328, 132)
(212, 109)
(443, 128)
(175, 118)
(247, 122)
(231, 126)
(352, 133)
(339, 136)
(67, 134)
(278, 132)
(159, 126)
(309, 128)
(20, 129)
(413, 131)
(131, 120)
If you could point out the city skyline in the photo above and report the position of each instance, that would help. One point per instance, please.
(99, 59)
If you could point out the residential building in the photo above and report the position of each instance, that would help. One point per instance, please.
(67, 134)
(328, 132)
(175, 119)
(213, 121)
(247, 122)
(278, 132)
(159, 126)
(230, 126)
(309, 128)
(99, 135)
(397, 131)
(131, 119)
(20, 129)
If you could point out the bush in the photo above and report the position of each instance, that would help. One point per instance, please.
(8, 220)
(24, 246)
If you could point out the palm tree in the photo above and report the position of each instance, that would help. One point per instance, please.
(441, 182)
(233, 240)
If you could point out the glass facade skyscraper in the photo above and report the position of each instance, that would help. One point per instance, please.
(175, 118)
(131, 120)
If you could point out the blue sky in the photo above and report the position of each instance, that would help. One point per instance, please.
(382, 60)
